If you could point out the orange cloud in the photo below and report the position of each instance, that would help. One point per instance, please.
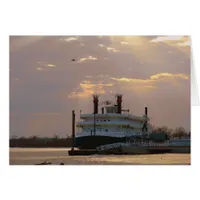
(153, 78)
(138, 85)
(168, 75)
(89, 88)
(152, 82)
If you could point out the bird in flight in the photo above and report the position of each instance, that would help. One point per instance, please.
(73, 59)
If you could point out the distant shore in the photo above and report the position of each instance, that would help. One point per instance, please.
(36, 142)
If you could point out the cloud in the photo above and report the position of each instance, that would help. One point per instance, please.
(101, 45)
(43, 66)
(158, 77)
(39, 68)
(153, 81)
(50, 65)
(123, 42)
(130, 40)
(176, 40)
(168, 75)
(82, 44)
(167, 38)
(88, 76)
(109, 49)
(186, 43)
(103, 76)
(46, 64)
(87, 89)
(70, 39)
(87, 58)
(112, 49)
(153, 78)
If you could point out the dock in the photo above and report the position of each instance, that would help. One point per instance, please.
(132, 150)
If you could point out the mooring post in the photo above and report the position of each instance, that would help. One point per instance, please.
(94, 125)
(73, 129)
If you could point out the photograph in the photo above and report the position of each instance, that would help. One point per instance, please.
(99, 100)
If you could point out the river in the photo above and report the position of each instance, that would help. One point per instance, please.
(32, 156)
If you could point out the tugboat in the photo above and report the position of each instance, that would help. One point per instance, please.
(112, 125)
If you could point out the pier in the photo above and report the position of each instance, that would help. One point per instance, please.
(131, 150)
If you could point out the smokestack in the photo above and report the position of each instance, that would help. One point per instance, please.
(146, 112)
(119, 103)
(95, 101)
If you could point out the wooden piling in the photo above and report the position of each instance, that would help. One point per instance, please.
(73, 129)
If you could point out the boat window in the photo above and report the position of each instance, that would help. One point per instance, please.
(106, 130)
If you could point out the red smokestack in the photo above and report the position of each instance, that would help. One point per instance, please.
(95, 101)
(119, 103)
(146, 111)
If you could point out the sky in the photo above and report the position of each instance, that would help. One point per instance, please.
(45, 85)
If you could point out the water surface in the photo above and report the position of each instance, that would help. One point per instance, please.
(32, 156)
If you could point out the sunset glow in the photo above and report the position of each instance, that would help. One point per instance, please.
(45, 84)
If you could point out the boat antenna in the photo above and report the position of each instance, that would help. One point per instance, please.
(144, 127)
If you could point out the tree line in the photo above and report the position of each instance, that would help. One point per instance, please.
(177, 132)
(57, 141)
(35, 141)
